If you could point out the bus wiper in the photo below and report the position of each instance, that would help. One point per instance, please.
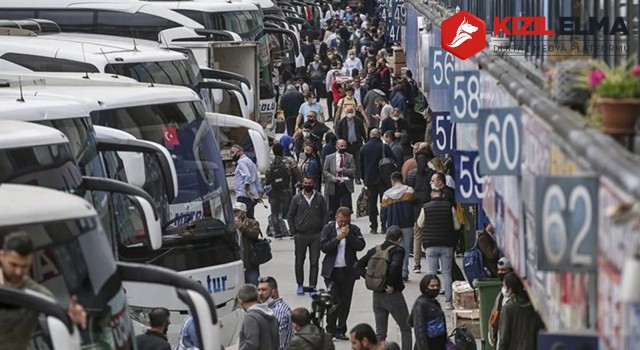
(177, 218)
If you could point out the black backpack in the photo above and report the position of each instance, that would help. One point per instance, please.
(386, 167)
(279, 175)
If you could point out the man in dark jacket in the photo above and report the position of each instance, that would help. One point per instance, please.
(340, 240)
(259, 329)
(156, 337)
(439, 182)
(352, 130)
(392, 141)
(439, 223)
(307, 335)
(489, 248)
(370, 155)
(391, 300)
(290, 103)
(307, 216)
(395, 123)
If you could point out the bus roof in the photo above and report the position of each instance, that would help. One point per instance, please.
(104, 92)
(37, 107)
(207, 5)
(23, 205)
(111, 5)
(93, 51)
(19, 134)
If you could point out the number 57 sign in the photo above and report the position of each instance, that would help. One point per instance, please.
(567, 221)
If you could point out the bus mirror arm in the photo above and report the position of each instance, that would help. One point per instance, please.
(90, 183)
(222, 85)
(209, 73)
(192, 293)
(166, 164)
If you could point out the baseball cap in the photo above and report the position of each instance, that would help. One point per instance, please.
(503, 262)
(240, 206)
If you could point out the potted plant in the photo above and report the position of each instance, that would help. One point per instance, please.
(617, 96)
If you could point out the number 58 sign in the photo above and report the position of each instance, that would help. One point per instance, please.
(567, 222)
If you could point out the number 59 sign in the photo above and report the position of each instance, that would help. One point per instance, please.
(468, 180)
(567, 222)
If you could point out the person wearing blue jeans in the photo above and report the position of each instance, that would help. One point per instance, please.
(439, 223)
(397, 210)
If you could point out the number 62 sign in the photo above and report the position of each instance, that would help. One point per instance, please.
(566, 216)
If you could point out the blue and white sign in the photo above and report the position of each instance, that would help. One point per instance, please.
(469, 183)
(398, 13)
(444, 133)
(567, 341)
(499, 141)
(465, 96)
(442, 68)
(566, 218)
(394, 34)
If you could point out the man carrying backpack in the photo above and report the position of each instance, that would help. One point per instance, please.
(279, 178)
(381, 268)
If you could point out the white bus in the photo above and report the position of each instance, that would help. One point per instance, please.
(199, 240)
(146, 21)
(71, 257)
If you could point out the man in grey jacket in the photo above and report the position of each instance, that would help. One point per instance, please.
(259, 329)
(307, 216)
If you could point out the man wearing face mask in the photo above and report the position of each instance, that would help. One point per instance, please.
(307, 216)
(269, 295)
(156, 337)
(438, 183)
(352, 129)
(345, 103)
(385, 76)
(312, 130)
(394, 123)
(317, 75)
(351, 63)
(503, 268)
(290, 103)
(338, 172)
(246, 181)
(311, 105)
(308, 50)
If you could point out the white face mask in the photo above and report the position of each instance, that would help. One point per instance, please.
(395, 118)
(505, 292)
(306, 134)
(352, 56)
(434, 187)
(350, 115)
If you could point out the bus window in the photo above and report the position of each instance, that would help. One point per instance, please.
(137, 25)
(48, 64)
(70, 20)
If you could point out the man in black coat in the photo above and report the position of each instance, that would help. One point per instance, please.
(339, 241)
(290, 103)
(352, 130)
(370, 156)
(156, 337)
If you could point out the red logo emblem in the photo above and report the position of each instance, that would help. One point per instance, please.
(463, 35)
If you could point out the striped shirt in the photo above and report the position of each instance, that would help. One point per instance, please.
(282, 312)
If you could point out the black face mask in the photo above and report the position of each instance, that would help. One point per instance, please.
(501, 276)
(433, 293)
(308, 155)
(308, 188)
(341, 150)
(235, 157)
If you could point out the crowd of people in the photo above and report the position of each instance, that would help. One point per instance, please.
(364, 137)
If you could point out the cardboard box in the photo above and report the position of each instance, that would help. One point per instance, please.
(463, 296)
(398, 54)
(469, 319)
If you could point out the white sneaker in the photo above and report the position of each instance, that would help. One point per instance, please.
(416, 269)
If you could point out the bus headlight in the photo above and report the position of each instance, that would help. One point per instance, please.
(140, 314)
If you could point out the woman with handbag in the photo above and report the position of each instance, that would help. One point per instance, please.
(250, 233)
(427, 318)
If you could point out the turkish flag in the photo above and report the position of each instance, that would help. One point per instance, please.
(170, 135)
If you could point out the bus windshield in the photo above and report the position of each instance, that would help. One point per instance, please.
(202, 186)
(70, 259)
(161, 72)
(50, 166)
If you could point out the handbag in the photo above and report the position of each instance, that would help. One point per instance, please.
(362, 203)
(436, 327)
(261, 252)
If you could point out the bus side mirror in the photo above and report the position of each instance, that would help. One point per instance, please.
(160, 178)
(190, 292)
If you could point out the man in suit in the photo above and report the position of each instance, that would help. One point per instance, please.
(338, 172)
(370, 155)
(352, 130)
(340, 240)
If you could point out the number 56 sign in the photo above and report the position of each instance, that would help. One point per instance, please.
(567, 221)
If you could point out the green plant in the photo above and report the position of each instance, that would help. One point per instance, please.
(619, 82)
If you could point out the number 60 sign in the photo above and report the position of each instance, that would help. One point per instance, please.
(566, 214)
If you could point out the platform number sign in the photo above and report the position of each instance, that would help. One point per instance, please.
(395, 34)
(469, 183)
(399, 13)
(465, 96)
(566, 215)
(499, 141)
(442, 67)
(443, 132)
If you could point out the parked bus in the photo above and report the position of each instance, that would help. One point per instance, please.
(71, 258)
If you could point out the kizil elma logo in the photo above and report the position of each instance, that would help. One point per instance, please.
(463, 35)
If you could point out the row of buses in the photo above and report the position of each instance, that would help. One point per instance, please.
(116, 119)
